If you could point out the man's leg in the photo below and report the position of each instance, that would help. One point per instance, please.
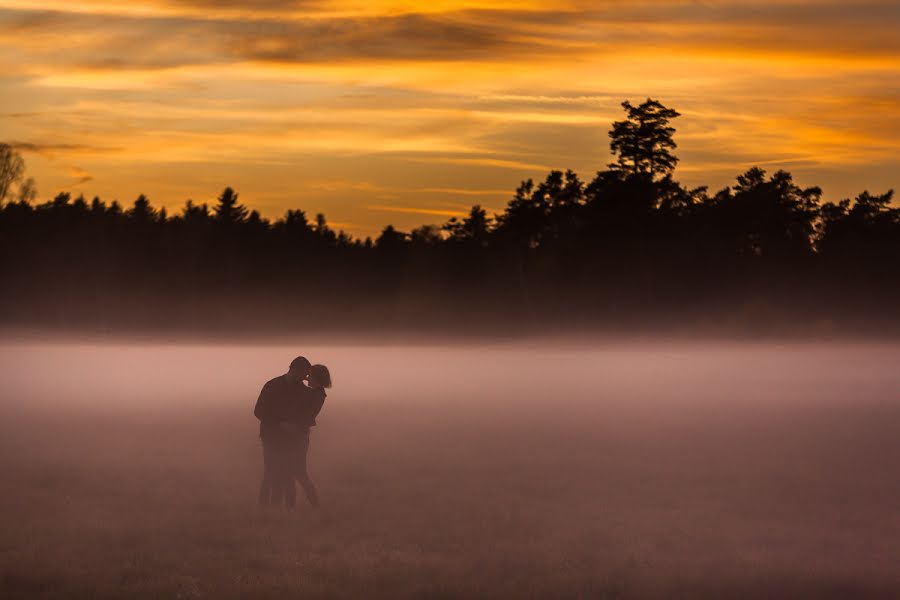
(265, 488)
(285, 478)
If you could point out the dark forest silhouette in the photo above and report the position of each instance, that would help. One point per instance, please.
(632, 248)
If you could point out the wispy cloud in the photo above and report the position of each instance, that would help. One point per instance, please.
(81, 176)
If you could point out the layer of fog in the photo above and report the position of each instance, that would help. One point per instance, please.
(726, 462)
(145, 377)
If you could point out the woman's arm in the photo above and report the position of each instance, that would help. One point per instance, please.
(317, 400)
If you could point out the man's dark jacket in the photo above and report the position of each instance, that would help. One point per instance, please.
(280, 401)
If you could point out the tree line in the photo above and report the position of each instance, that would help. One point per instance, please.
(630, 249)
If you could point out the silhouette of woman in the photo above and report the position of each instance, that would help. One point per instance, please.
(319, 379)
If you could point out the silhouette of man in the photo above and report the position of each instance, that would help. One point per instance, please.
(276, 408)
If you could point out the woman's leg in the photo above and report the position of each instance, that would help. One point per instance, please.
(302, 473)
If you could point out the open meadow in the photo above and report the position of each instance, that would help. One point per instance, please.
(640, 469)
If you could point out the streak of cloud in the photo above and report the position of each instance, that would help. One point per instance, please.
(50, 149)
(439, 212)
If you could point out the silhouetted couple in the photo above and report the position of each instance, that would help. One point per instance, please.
(287, 408)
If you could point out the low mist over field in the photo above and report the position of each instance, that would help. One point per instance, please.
(632, 469)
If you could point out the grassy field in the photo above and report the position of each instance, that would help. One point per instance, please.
(636, 470)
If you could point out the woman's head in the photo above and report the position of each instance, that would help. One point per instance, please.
(319, 376)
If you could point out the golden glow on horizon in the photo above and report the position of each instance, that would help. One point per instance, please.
(367, 110)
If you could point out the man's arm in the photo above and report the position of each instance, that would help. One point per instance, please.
(263, 408)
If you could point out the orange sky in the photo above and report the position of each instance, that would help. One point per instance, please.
(382, 111)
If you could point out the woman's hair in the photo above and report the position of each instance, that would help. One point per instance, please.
(319, 375)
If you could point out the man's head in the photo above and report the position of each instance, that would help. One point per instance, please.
(299, 370)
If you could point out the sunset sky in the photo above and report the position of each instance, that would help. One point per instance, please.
(409, 112)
